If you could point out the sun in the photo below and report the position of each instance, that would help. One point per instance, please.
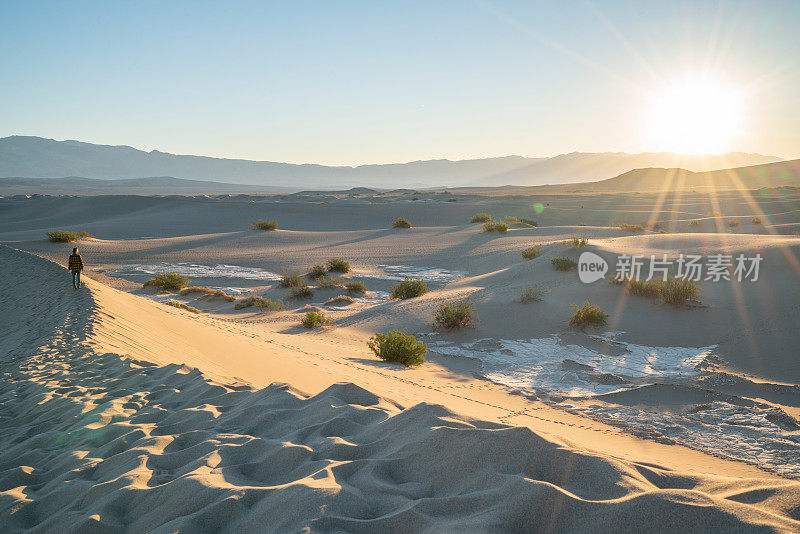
(695, 116)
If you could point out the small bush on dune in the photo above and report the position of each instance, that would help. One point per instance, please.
(519, 221)
(263, 224)
(328, 282)
(632, 227)
(207, 291)
(301, 292)
(575, 242)
(337, 265)
(588, 314)
(459, 314)
(261, 303)
(354, 286)
(531, 294)
(409, 288)
(176, 304)
(532, 252)
(167, 281)
(694, 223)
(314, 318)
(563, 264)
(339, 300)
(756, 220)
(733, 223)
(398, 347)
(679, 291)
(292, 279)
(401, 223)
(481, 218)
(499, 227)
(65, 236)
(316, 271)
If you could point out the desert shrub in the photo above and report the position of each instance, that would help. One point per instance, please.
(531, 252)
(459, 314)
(316, 271)
(314, 318)
(339, 300)
(398, 347)
(354, 286)
(167, 281)
(176, 304)
(408, 288)
(519, 221)
(632, 227)
(563, 264)
(263, 224)
(401, 223)
(292, 279)
(481, 218)
(643, 288)
(678, 290)
(207, 291)
(499, 227)
(531, 294)
(694, 223)
(733, 223)
(301, 292)
(588, 314)
(337, 265)
(452, 200)
(756, 220)
(575, 242)
(261, 303)
(66, 236)
(328, 282)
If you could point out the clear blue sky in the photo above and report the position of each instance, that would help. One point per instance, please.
(362, 82)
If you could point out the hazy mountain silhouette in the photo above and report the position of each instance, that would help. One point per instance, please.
(36, 157)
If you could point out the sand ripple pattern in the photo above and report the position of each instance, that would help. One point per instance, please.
(99, 443)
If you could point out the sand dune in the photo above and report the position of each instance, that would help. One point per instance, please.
(96, 441)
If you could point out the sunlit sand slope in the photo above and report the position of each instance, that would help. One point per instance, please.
(94, 442)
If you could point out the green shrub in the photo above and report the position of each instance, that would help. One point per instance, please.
(261, 303)
(263, 224)
(644, 288)
(65, 236)
(499, 227)
(168, 281)
(481, 218)
(292, 279)
(401, 223)
(207, 291)
(532, 252)
(337, 265)
(679, 291)
(632, 227)
(398, 347)
(339, 300)
(756, 220)
(301, 292)
(563, 264)
(176, 304)
(354, 286)
(459, 314)
(316, 271)
(314, 318)
(328, 282)
(588, 314)
(531, 294)
(408, 288)
(575, 242)
(733, 223)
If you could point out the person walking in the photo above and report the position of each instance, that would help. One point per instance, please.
(76, 266)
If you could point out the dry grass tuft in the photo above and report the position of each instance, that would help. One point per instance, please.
(207, 291)
(181, 305)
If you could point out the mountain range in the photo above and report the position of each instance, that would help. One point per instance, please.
(37, 157)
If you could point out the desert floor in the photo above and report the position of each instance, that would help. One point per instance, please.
(119, 411)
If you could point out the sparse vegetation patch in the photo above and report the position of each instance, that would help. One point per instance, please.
(401, 223)
(167, 281)
(316, 271)
(532, 252)
(496, 226)
(314, 318)
(207, 291)
(632, 227)
(292, 279)
(531, 294)
(587, 315)
(339, 300)
(261, 303)
(398, 347)
(354, 286)
(481, 218)
(756, 220)
(337, 265)
(563, 264)
(66, 236)
(181, 305)
(459, 314)
(301, 292)
(263, 224)
(575, 242)
(409, 288)
(328, 282)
